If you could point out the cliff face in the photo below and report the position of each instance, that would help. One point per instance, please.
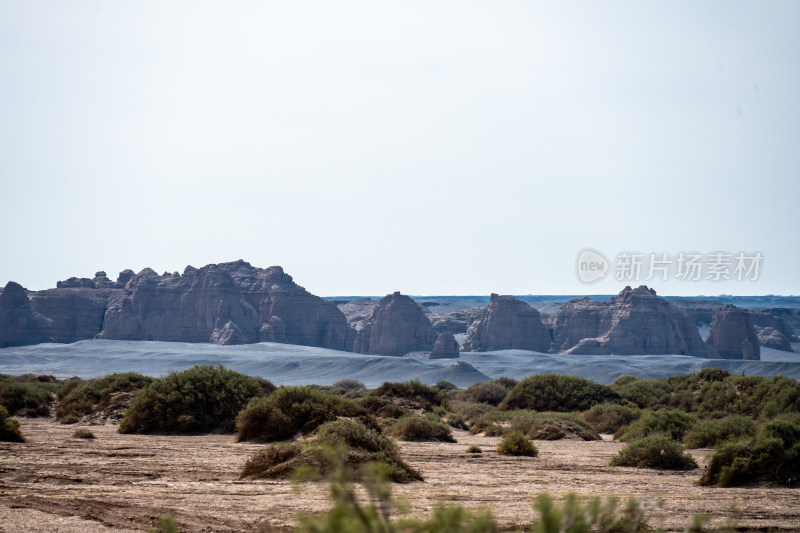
(229, 303)
(397, 326)
(733, 335)
(20, 323)
(508, 324)
(634, 322)
(445, 346)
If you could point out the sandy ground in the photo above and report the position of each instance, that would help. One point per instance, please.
(55, 482)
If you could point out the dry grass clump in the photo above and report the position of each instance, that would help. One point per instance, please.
(9, 428)
(427, 427)
(541, 426)
(361, 446)
(83, 433)
(656, 450)
(517, 443)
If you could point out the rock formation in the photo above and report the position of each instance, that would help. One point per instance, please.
(772, 338)
(635, 322)
(508, 324)
(20, 324)
(733, 335)
(397, 326)
(445, 346)
(357, 311)
(76, 313)
(453, 322)
(228, 303)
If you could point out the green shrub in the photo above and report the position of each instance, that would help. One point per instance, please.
(773, 455)
(446, 386)
(412, 427)
(708, 433)
(610, 417)
(415, 394)
(83, 433)
(517, 443)
(656, 450)
(646, 393)
(474, 449)
(457, 421)
(671, 422)
(81, 398)
(9, 428)
(752, 396)
(491, 392)
(470, 412)
(575, 517)
(551, 392)
(359, 444)
(542, 426)
(349, 385)
(291, 410)
(28, 394)
(201, 399)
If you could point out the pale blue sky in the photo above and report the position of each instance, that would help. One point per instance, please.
(429, 147)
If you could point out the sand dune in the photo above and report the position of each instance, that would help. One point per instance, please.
(292, 365)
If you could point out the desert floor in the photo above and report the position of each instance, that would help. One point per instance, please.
(55, 482)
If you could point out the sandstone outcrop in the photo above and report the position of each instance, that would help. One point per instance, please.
(508, 323)
(772, 338)
(733, 335)
(20, 323)
(76, 313)
(770, 318)
(636, 322)
(229, 303)
(453, 322)
(397, 326)
(445, 346)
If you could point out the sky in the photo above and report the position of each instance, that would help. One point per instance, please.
(431, 147)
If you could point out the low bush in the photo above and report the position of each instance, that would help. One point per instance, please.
(517, 443)
(409, 394)
(457, 421)
(411, 427)
(201, 399)
(576, 517)
(291, 410)
(656, 450)
(752, 396)
(83, 433)
(671, 422)
(9, 428)
(773, 455)
(349, 385)
(491, 392)
(474, 449)
(359, 444)
(446, 387)
(542, 426)
(470, 412)
(29, 394)
(709, 433)
(646, 393)
(610, 417)
(551, 392)
(81, 398)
